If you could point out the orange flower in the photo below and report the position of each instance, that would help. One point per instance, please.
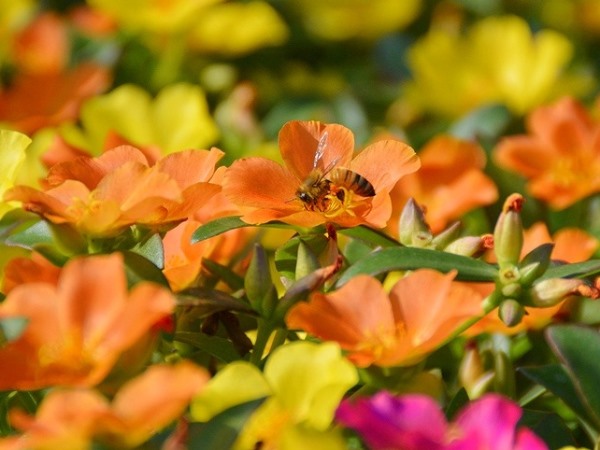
(73, 418)
(450, 182)
(320, 182)
(29, 270)
(104, 195)
(560, 156)
(43, 46)
(77, 329)
(36, 101)
(421, 313)
(183, 260)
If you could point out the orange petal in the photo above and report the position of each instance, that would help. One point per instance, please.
(298, 142)
(147, 304)
(156, 398)
(19, 358)
(432, 307)
(523, 154)
(94, 293)
(358, 316)
(574, 245)
(190, 166)
(385, 162)
(90, 171)
(261, 183)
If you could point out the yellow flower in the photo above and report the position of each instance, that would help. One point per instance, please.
(154, 16)
(14, 15)
(12, 156)
(364, 19)
(498, 60)
(177, 119)
(303, 382)
(237, 28)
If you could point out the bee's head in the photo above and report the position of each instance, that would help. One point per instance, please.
(304, 196)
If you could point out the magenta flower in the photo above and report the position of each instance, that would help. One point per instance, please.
(416, 422)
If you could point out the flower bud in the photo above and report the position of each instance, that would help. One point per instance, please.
(508, 233)
(414, 231)
(306, 262)
(472, 374)
(511, 312)
(257, 282)
(468, 246)
(446, 236)
(535, 263)
(554, 290)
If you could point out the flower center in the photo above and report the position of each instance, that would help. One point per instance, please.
(335, 201)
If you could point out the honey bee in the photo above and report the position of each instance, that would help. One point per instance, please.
(317, 189)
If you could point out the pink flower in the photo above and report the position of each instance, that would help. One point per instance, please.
(416, 422)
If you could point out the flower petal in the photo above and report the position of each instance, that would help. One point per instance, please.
(298, 142)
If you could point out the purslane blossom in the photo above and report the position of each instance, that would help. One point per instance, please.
(12, 157)
(74, 418)
(176, 119)
(35, 101)
(77, 329)
(153, 16)
(416, 422)
(449, 183)
(337, 21)
(559, 156)
(498, 60)
(103, 196)
(235, 28)
(308, 191)
(419, 314)
(303, 382)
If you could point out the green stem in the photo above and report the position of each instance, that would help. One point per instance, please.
(279, 338)
(263, 333)
(170, 62)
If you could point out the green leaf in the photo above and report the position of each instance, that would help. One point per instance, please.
(36, 234)
(578, 270)
(460, 400)
(11, 328)
(370, 236)
(217, 346)
(138, 268)
(221, 431)
(549, 426)
(555, 379)
(578, 347)
(218, 226)
(224, 273)
(408, 258)
(486, 122)
(153, 250)
(209, 301)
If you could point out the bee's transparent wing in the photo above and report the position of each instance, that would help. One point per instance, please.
(320, 149)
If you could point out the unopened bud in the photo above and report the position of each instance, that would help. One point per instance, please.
(535, 263)
(447, 236)
(554, 290)
(414, 231)
(508, 233)
(511, 312)
(306, 261)
(471, 246)
(257, 282)
(471, 367)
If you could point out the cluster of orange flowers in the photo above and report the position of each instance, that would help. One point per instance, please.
(151, 281)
